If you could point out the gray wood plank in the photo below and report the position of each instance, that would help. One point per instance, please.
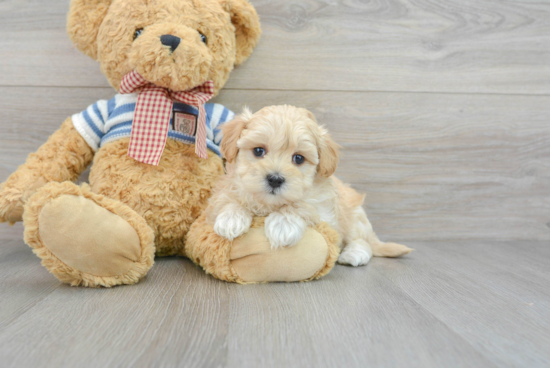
(444, 305)
(176, 316)
(352, 318)
(534, 256)
(179, 316)
(24, 281)
(468, 46)
(503, 315)
(10, 233)
(434, 166)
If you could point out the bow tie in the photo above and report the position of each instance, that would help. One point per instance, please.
(152, 116)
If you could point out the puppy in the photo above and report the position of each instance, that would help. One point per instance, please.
(279, 166)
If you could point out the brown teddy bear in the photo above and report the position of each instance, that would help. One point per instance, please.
(155, 153)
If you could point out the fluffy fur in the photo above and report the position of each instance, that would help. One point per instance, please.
(169, 197)
(309, 194)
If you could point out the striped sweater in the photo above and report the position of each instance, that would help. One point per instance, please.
(106, 121)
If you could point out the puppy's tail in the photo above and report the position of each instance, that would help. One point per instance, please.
(390, 250)
(380, 249)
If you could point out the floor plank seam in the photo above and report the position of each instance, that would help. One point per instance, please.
(314, 90)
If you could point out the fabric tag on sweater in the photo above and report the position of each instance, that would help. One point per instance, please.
(185, 122)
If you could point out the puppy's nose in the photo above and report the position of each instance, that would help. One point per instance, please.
(171, 41)
(275, 181)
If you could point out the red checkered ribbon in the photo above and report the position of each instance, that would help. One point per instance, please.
(152, 116)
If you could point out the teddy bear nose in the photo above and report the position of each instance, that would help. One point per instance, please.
(171, 41)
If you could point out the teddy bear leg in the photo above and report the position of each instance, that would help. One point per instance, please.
(87, 239)
(253, 259)
(250, 259)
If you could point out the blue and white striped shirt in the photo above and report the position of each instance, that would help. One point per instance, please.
(106, 121)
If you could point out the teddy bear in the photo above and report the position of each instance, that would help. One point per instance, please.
(155, 153)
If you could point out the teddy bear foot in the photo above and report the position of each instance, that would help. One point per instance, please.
(251, 259)
(87, 239)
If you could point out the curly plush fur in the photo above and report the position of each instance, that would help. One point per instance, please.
(63, 157)
(169, 197)
(163, 200)
(107, 233)
(105, 31)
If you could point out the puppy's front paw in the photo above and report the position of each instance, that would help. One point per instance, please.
(284, 230)
(355, 255)
(232, 224)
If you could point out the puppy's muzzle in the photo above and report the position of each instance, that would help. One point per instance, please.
(275, 181)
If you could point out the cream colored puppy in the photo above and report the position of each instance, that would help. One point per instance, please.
(279, 166)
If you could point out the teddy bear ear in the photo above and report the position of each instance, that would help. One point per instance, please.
(83, 22)
(247, 27)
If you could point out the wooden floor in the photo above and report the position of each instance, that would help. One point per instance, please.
(443, 110)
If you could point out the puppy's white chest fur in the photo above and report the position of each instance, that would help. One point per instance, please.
(326, 213)
(323, 199)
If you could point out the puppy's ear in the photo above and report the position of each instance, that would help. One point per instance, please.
(83, 22)
(231, 134)
(327, 148)
(328, 155)
(247, 27)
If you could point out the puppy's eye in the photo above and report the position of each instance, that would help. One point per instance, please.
(138, 33)
(203, 38)
(259, 152)
(298, 159)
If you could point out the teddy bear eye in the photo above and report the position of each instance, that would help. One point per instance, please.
(298, 159)
(259, 152)
(138, 33)
(203, 38)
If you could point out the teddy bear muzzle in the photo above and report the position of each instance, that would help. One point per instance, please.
(171, 41)
(172, 56)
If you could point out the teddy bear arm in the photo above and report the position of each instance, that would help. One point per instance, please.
(254, 260)
(64, 156)
(250, 258)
